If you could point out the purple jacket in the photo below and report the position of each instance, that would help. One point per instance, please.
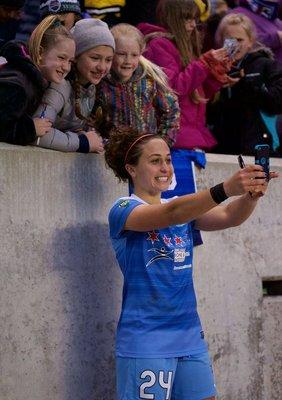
(266, 30)
(184, 80)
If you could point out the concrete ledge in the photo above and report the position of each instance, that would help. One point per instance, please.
(60, 287)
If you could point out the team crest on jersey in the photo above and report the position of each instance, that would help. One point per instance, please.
(160, 254)
(124, 203)
(164, 248)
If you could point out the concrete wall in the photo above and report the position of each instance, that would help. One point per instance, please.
(60, 287)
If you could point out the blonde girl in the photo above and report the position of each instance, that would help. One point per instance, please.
(136, 92)
(244, 114)
(69, 104)
(23, 80)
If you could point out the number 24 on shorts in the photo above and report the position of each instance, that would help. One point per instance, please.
(144, 393)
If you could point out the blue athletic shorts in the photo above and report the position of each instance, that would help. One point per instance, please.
(180, 378)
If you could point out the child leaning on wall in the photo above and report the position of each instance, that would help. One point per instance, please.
(23, 81)
(136, 93)
(68, 104)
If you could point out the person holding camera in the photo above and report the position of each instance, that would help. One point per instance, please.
(161, 352)
(244, 113)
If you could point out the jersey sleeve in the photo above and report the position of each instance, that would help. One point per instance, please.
(119, 214)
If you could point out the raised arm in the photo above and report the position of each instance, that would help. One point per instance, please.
(233, 213)
(193, 206)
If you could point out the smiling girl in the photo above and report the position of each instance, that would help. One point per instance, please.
(161, 352)
(69, 104)
(136, 92)
(23, 81)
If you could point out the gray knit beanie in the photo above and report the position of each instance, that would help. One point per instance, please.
(53, 7)
(90, 33)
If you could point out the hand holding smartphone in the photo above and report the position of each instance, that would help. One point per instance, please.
(232, 46)
(262, 157)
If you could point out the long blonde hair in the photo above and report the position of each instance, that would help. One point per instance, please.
(149, 69)
(46, 35)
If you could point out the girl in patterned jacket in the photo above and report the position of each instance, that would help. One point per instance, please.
(136, 93)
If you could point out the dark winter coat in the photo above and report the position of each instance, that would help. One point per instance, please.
(21, 90)
(8, 30)
(234, 116)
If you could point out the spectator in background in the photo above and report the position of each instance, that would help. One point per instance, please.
(136, 11)
(204, 8)
(244, 114)
(265, 15)
(10, 15)
(30, 18)
(67, 11)
(175, 46)
(219, 9)
(109, 11)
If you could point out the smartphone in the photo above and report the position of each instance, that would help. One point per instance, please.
(235, 73)
(262, 157)
(231, 45)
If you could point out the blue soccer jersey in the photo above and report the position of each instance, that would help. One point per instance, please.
(159, 312)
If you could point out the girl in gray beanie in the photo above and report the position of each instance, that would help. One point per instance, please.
(69, 104)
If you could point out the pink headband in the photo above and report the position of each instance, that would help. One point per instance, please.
(134, 143)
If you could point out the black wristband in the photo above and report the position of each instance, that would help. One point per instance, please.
(218, 193)
(83, 144)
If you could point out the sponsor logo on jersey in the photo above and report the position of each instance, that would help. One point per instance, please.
(124, 203)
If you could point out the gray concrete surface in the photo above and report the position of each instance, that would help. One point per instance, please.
(60, 287)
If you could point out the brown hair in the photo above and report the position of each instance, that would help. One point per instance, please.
(76, 86)
(62, 17)
(120, 141)
(46, 35)
(172, 14)
(7, 13)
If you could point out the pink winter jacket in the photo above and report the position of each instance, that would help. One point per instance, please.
(184, 80)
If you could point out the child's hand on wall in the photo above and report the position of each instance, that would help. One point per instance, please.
(42, 126)
(95, 142)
